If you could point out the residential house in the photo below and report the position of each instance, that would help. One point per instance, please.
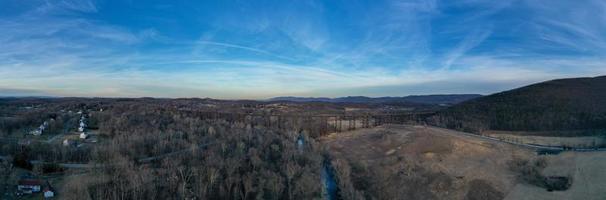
(82, 126)
(49, 192)
(36, 132)
(83, 135)
(28, 186)
(40, 129)
(68, 142)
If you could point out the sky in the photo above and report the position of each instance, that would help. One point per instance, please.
(260, 49)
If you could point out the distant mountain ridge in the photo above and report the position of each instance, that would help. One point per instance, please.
(556, 105)
(449, 99)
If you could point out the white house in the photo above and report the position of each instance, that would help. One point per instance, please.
(83, 135)
(36, 132)
(48, 192)
(82, 125)
(67, 142)
(40, 129)
(28, 186)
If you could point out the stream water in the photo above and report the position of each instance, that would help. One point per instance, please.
(300, 144)
(328, 180)
(327, 175)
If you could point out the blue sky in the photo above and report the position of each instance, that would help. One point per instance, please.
(259, 49)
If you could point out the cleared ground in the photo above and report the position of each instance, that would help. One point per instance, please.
(472, 167)
(587, 170)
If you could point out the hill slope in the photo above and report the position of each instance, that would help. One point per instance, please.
(563, 104)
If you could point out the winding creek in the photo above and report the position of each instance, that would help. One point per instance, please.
(328, 180)
(327, 175)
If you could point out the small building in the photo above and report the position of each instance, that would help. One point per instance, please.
(36, 132)
(40, 129)
(49, 192)
(68, 142)
(28, 186)
(83, 135)
(82, 126)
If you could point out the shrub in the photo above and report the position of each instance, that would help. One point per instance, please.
(21, 160)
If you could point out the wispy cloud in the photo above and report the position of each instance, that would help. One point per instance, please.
(76, 48)
(470, 41)
(256, 50)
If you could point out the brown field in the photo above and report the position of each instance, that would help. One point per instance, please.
(454, 166)
(586, 169)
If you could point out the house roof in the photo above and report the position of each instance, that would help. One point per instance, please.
(48, 187)
(30, 182)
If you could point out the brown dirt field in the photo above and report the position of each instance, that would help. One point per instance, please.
(586, 170)
(463, 167)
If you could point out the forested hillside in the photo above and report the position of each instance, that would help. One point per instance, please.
(563, 104)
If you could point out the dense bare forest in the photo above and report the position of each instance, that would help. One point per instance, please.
(240, 162)
(188, 156)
